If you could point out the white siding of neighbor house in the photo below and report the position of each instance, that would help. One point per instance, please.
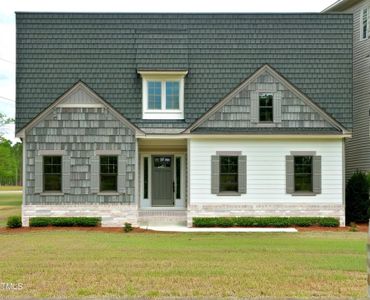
(266, 176)
(358, 148)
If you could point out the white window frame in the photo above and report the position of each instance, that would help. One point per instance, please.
(163, 113)
(361, 23)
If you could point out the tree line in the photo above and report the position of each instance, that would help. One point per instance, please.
(10, 158)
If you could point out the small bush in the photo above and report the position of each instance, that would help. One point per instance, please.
(353, 227)
(14, 222)
(265, 222)
(357, 198)
(65, 221)
(127, 227)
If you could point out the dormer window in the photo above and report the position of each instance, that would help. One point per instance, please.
(163, 95)
(266, 111)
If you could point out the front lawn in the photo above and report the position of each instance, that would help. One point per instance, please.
(10, 205)
(73, 263)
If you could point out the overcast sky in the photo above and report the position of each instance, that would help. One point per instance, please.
(7, 23)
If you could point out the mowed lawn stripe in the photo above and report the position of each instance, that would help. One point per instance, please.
(78, 263)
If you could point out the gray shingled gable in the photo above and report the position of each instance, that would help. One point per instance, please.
(292, 109)
(54, 50)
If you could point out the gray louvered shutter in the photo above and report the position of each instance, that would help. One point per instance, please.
(316, 165)
(94, 182)
(215, 174)
(38, 174)
(289, 174)
(277, 107)
(121, 178)
(254, 107)
(66, 174)
(242, 174)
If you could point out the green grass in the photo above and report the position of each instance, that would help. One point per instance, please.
(96, 264)
(10, 188)
(10, 205)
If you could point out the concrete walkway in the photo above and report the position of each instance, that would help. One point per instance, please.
(10, 192)
(213, 229)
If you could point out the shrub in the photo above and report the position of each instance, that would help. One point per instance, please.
(357, 198)
(127, 227)
(14, 222)
(65, 221)
(265, 222)
(353, 227)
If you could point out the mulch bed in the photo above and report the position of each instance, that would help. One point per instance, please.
(360, 228)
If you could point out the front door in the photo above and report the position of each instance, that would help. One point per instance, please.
(162, 180)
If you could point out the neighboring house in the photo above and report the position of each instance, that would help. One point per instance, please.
(358, 148)
(159, 118)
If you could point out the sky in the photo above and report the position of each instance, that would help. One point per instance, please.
(7, 25)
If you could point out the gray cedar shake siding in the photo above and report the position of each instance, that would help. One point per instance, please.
(81, 133)
(289, 110)
(358, 148)
(55, 50)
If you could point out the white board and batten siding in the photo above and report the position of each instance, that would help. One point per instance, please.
(266, 175)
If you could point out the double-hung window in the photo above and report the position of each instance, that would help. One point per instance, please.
(52, 173)
(303, 173)
(266, 112)
(163, 95)
(108, 173)
(228, 173)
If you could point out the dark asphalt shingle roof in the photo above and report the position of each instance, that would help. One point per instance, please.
(55, 50)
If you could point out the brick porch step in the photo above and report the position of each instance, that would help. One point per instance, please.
(161, 217)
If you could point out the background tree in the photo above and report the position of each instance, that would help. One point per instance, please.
(10, 157)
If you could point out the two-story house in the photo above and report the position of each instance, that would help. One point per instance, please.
(146, 118)
(358, 147)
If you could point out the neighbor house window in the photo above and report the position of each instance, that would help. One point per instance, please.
(108, 173)
(303, 174)
(365, 23)
(52, 173)
(163, 95)
(266, 108)
(228, 173)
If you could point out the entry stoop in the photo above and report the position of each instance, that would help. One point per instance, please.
(162, 217)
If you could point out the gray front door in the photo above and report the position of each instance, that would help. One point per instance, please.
(162, 180)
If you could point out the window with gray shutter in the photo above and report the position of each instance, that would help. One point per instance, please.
(317, 174)
(289, 174)
(94, 168)
(277, 107)
(242, 174)
(303, 174)
(254, 107)
(229, 173)
(38, 174)
(66, 173)
(215, 174)
(121, 178)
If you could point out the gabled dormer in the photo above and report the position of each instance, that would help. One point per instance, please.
(163, 94)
